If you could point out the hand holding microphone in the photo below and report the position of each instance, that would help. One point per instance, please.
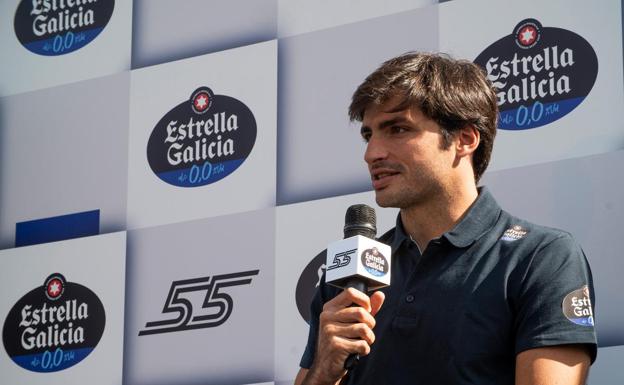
(356, 262)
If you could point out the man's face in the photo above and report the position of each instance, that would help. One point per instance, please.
(404, 154)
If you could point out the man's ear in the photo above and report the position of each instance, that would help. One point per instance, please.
(467, 140)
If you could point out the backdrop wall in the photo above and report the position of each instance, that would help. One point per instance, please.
(171, 172)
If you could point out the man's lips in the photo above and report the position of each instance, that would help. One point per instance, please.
(382, 176)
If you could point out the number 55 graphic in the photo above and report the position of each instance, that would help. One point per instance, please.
(215, 309)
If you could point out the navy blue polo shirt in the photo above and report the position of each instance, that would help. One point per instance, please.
(490, 288)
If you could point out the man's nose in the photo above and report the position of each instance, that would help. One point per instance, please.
(375, 150)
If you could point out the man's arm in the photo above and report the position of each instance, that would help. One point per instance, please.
(553, 365)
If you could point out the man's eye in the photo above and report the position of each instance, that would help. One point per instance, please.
(397, 129)
(366, 138)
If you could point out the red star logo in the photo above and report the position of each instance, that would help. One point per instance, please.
(527, 35)
(201, 101)
(54, 288)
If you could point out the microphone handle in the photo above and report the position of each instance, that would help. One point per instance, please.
(359, 284)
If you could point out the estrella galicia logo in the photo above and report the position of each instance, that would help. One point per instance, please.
(577, 307)
(214, 310)
(201, 140)
(54, 326)
(58, 27)
(308, 283)
(374, 262)
(540, 74)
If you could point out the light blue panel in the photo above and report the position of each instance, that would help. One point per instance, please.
(582, 196)
(319, 153)
(166, 30)
(65, 150)
(607, 370)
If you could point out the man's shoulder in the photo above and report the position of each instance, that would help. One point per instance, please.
(535, 237)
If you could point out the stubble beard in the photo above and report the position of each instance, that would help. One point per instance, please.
(417, 193)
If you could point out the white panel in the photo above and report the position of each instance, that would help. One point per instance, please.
(97, 263)
(594, 126)
(64, 150)
(239, 348)
(158, 89)
(300, 16)
(23, 70)
(303, 231)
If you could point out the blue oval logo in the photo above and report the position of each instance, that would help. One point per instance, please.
(52, 28)
(54, 326)
(201, 140)
(540, 73)
(374, 262)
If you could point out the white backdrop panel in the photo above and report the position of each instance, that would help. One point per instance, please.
(94, 262)
(595, 126)
(239, 350)
(247, 74)
(23, 70)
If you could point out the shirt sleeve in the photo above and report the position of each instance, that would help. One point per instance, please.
(555, 300)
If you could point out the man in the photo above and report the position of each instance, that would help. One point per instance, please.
(477, 296)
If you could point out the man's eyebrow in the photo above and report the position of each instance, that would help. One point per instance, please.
(384, 124)
(391, 122)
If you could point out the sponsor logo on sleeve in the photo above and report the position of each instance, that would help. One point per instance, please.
(374, 262)
(54, 326)
(201, 140)
(577, 307)
(540, 74)
(214, 305)
(58, 27)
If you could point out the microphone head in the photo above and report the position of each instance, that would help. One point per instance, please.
(360, 220)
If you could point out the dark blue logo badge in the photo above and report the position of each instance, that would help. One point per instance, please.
(57, 27)
(201, 140)
(541, 74)
(374, 262)
(54, 326)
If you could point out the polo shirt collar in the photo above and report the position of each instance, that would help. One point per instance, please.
(479, 219)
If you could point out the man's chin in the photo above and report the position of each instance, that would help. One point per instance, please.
(384, 201)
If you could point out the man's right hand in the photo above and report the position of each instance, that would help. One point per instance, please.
(343, 330)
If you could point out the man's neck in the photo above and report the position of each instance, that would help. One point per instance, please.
(437, 216)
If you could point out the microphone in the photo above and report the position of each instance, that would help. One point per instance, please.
(358, 260)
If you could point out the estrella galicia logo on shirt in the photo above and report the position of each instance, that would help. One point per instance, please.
(54, 326)
(577, 307)
(58, 27)
(514, 233)
(308, 283)
(214, 309)
(201, 140)
(374, 262)
(540, 74)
